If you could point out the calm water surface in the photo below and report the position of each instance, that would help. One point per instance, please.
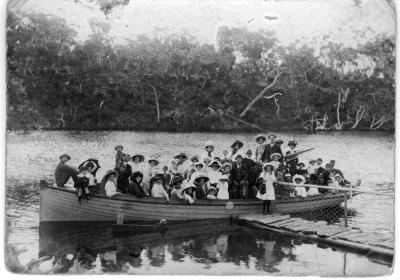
(218, 248)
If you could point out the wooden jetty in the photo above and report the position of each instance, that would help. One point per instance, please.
(322, 232)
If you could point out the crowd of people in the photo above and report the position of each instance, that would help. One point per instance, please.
(233, 175)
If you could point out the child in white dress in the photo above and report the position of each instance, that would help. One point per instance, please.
(223, 187)
(300, 191)
(266, 190)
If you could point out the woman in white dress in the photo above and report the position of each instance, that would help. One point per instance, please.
(148, 172)
(137, 163)
(223, 187)
(300, 191)
(266, 190)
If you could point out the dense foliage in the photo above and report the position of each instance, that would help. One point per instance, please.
(176, 83)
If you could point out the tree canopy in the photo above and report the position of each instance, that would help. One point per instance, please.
(176, 83)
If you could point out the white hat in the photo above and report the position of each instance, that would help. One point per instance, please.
(224, 177)
(268, 164)
(198, 164)
(187, 185)
(298, 176)
(215, 162)
(260, 136)
(275, 154)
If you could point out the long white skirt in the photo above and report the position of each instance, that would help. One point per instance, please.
(301, 191)
(223, 192)
(269, 192)
(312, 191)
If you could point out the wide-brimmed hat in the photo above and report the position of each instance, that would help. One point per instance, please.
(157, 176)
(211, 188)
(301, 163)
(287, 175)
(312, 160)
(338, 175)
(227, 164)
(65, 155)
(109, 172)
(237, 142)
(298, 176)
(198, 164)
(199, 176)
(193, 158)
(118, 146)
(239, 155)
(275, 154)
(279, 141)
(224, 177)
(140, 156)
(292, 143)
(319, 159)
(155, 160)
(270, 135)
(260, 136)
(181, 155)
(209, 144)
(268, 164)
(188, 185)
(215, 163)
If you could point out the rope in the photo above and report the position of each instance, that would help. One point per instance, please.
(253, 125)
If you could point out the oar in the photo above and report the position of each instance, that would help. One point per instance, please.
(333, 188)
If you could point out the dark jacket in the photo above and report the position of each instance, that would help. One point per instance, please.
(238, 174)
(249, 163)
(268, 151)
(200, 193)
(136, 189)
(63, 172)
(123, 178)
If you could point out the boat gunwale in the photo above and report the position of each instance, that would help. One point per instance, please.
(204, 202)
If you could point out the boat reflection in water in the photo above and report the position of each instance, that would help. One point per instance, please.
(200, 247)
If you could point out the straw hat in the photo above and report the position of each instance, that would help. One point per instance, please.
(211, 188)
(312, 160)
(188, 185)
(275, 154)
(199, 164)
(268, 164)
(262, 136)
(109, 172)
(215, 163)
(140, 156)
(297, 176)
(279, 141)
(288, 175)
(119, 146)
(237, 142)
(201, 176)
(154, 159)
(157, 176)
(270, 135)
(195, 158)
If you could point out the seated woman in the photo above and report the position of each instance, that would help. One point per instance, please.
(200, 183)
(223, 187)
(157, 187)
(176, 192)
(135, 187)
(212, 193)
(213, 173)
(110, 186)
(189, 192)
(300, 190)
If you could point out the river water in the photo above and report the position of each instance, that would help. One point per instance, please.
(213, 248)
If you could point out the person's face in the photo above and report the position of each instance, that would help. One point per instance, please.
(215, 168)
(174, 164)
(272, 139)
(249, 154)
(119, 149)
(207, 161)
(239, 160)
(319, 162)
(159, 181)
(201, 181)
(328, 167)
(84, 172)
(291, 147)
(195, 160)
(178, 185)
(111, 177)
(236, 147)
(190, 191)
(90, 169)
(301, 166)
(260, 140)
(138, 179)
(288, 178)
(181, 159)
(268, 168)
(332, 163)
(337, 179)
(64, 159)
(209, 149)
(152, 163)
(136, 159)
(225, 152)
(298, 181)
(227, 169)
(276, 158)
(199, 168)
(165, 168)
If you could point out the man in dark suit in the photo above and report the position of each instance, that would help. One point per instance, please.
(239, 181)
(248, 161)
(124, 172)
(271, 148)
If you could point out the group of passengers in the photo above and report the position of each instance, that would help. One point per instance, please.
(233, 175)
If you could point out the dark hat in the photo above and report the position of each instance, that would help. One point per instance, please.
(237, 142)
(119, 146)
(109, 172)
(65, 155)
(204, 176)
(301, 163)
(177, 179)
(239, 155)
(193, 158)
(319, 159)
(136, 174)
(262, 136)
(215, 163)
(83, 168)
(292, 143)
(279, 141)
(181, 155)
(141, 157)
(153, 159)
(156, 177)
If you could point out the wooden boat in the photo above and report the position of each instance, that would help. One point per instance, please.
(61, 204)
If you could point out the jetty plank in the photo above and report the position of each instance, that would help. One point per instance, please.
(281, 223)
(272, 219)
